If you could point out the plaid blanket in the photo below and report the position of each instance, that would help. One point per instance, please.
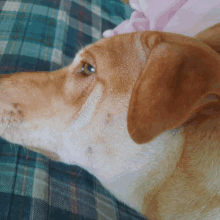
(44, 35)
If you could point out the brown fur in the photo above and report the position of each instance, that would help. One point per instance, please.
(161, 82)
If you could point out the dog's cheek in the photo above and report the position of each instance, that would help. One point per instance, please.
(77, 90)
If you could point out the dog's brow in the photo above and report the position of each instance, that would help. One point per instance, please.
(88, 55)
(97, 46)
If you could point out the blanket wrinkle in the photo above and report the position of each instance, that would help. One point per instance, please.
(168, 15)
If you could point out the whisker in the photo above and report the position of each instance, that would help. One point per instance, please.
(9, 121)
(79, 45)
(78, 174)
(25, 149)
(2, 120)
(11, 146)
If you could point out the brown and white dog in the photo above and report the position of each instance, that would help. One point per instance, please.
(140, 111)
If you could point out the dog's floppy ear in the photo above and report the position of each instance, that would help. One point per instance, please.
(175, 83)
(211, 37)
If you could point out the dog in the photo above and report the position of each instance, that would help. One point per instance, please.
(139, 111)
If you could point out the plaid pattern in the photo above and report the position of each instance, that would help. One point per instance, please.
(34, 187)
(44, 35)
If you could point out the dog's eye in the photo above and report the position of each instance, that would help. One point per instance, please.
(87, 69)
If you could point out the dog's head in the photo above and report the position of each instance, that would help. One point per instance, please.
(118, 108)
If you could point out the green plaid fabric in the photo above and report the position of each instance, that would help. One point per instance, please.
(34, 187)
(44, 35)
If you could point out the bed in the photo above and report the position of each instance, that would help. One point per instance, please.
(44, 35)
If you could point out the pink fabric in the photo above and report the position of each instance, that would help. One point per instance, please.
(168, 15)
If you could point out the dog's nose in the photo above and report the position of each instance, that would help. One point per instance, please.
(32, 94)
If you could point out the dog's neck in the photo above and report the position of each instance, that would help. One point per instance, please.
(193, 188)
(136, 169)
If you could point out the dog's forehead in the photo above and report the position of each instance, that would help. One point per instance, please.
(119, 49)
(115, 41)
(118, 45)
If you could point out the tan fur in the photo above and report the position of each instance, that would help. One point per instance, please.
(146, 123)
(126, 1)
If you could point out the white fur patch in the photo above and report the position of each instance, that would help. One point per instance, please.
(78, 133)
(107, 151)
